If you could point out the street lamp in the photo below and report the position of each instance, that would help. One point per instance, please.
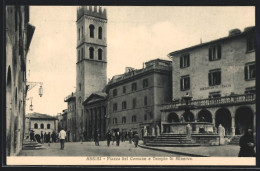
(30, 85)
(31, 106)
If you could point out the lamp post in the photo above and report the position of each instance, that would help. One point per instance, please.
(31, 85)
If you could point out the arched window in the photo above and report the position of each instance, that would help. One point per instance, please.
(91, 30)
(82, 53)
(35, 126)
(48, 126)
(100, 32)
(42, 126)
(100, 54)
(82, 32)
(91, 53)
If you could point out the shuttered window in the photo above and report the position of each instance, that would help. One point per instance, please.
(185, 61)
(214, 77)
(215, 53)
(250, 71)
(185, 83)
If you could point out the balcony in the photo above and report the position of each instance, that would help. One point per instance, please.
(69, 97)
(212, 102)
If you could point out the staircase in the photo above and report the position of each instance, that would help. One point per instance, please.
(30, 145)
(172, 140)
(235, 140)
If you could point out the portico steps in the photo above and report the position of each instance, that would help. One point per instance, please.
(172, 140)
(30, 145)
(235, 140)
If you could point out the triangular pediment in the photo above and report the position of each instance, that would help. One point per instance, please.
(95, 97)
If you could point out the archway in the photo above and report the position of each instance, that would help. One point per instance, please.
(244, 118)
(188, 116)
(173, 117)
(223, 117)
(204, 116)
(8, 110)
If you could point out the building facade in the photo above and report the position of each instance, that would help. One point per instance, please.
(91, 65)
(135, 98)
(220, 77)
(95, 114)
(18, 37)
(71, 117)
(40, 123)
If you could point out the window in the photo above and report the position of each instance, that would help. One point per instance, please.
(82, 53)
(134, 103)
(114, 92)
(214, 94)
(82, 32)
(124, 105)
(100, 32)
(214, 77)
(91, 53)
(145, 117)
(185, 61)
(185, 82)
(114, 107)
(35, 126)
(215, 53)
(78, 55)
(79, 87)
(250, 44)
(123, 119)
(134, 86)
(145, 100)
(250, 71)
(145, 83)
(48, 126)
(115, 121)
(100, 54)
(134, 118)
(91, 31)
(42, 126)
(250, 90)
(79, 34)
(124, 89)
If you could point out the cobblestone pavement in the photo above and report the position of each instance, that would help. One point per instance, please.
(89, 149)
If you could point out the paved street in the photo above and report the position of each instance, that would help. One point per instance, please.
(89, 149)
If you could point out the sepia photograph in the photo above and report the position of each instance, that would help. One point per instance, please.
(130, 85)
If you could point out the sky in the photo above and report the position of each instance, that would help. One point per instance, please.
(134, 35)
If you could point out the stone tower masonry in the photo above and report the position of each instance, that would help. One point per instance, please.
(91, 64)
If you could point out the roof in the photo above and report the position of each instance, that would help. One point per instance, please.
(40, 116)
(100, 96)
(246, 31)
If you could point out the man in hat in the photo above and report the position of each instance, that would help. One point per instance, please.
(62, 136)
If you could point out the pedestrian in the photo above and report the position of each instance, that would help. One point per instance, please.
(130, 136)
(136, 139)
(96, 137)
(113, 137)
(62, 136)
(38, 138)
(82, 137)
(53, 136)
(44, 136)
(247, 145)
(41, 137)
(48, 138)
(31, 135)
(108, 136)
(117, 138)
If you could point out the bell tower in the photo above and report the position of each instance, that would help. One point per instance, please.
(91, 62)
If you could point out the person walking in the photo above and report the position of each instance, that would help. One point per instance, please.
(247, 145)
(62, 136)
(44, 137)
(136, 139)
(117, 138)
(96, 137)
(108, 136)
(48, 138)
(53, 136)
(113, 137)
(130, 136)
(41, 137)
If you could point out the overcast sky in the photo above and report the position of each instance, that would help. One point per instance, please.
(135, 35)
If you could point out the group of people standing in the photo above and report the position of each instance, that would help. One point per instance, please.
(43, 137)
(117, 136)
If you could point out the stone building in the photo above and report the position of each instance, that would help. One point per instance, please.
(91, 63)
(135, 97)
(71, 117)
(40, 122)
(95, 113)
(18, 37)
(219, 76)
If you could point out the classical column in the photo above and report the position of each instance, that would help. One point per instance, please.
(214, 121)
(233, 126)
